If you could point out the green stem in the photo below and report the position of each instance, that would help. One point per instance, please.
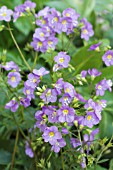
(14, 151)
(35, 60)
(62, 160)
(18, 48)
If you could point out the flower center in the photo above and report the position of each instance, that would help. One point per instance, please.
(85, 31)
(55, 19)
(65, 112)
(41, 34)
(109, 57)
(64, 22)
(4, 14)
(13, 78)
(61, 60)
(89, 117)
(51, 134)
(65, 98)
(34, 80)
(54, 113)
(27, 91)
(39, 44)
(50, 42)
(43, 22)
(97, 49)
(67, 90)
(99, 87)
(67, 15)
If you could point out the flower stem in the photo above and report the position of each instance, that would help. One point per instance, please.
(62, 160)
(14, 151)
(35, 60)
(18, 48)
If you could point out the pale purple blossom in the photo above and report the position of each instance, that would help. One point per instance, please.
(60, 143)
(14, 79)
(62, 59)
(108, 58)
(5, 14)
(28, 150)
(49, 95)
(12, 105)
(95, 47)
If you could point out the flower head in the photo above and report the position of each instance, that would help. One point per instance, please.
(5, 14)
(108, 58)
(62, 59)
(14, 79)
(13, 105)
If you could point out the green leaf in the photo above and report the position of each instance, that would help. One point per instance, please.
(24, 25)
(5, 157)
(85, 59)
(103, 160)
(97, 167)
(59, 5)
(87, 7)
(111, 165)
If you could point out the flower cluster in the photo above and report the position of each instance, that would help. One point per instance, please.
(51, 22)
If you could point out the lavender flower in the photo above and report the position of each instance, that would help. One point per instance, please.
(25, 102)
(83, 73)
(64, 131)
(51, 112)
(5, 14)
(40, 34)
(41, 122)
(18, 11)
(94, 73)
(62, 59)
(95, 47)
(29, 92)
(14, 79)
(13, 105)
(91, 119)
(52, 42)
(108, 58)
(66, 114)
(58, 86)
(28, 150)
(87, 30)
(28, 5)
(49, 95)
(10, 65)
(75, 142)
(39, 45)
(60, 143)
(65, 99)
(41, 72)
(69, 88)
(51, 135)
(33, 80)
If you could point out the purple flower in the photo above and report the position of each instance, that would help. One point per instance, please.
(58, 86)
(33, 80)
(49, 95)
(54, 21)
(95, 47)
(52, 42)
(43, 12)
(108, 58)
(18, 11)
(41, 122)
(41, 72)
(57, 67)
(79, 97)
(29, 92)
(5, 14)
(66, 24)
(13, 105)
(14, 79)
(91, 119)
(66, 114)
(102, 86)
(41, 34)
(64, 131)
(94, 72)
(69, 12)
(87, 30)
(51, 112)
(25, 102)
(65, 99)
(28, 150)
(60, 143)
(83, 73)
(39, 45)
(62, 59)
(75, 142)
(10, 65)
(51, 135)
(102, 103)
(69, 88)
(28, 5)
(42, 22)
(88, 139)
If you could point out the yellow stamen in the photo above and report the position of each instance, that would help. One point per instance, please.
(65, 112)
(51, 134)
(64, 22)
(67, 90)
(39, 44)
(4, 14)
(109, 57)
(34, 80)
(67, 15)
(89, 117)
(61, 60)
(13, 78)
(85, 31)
